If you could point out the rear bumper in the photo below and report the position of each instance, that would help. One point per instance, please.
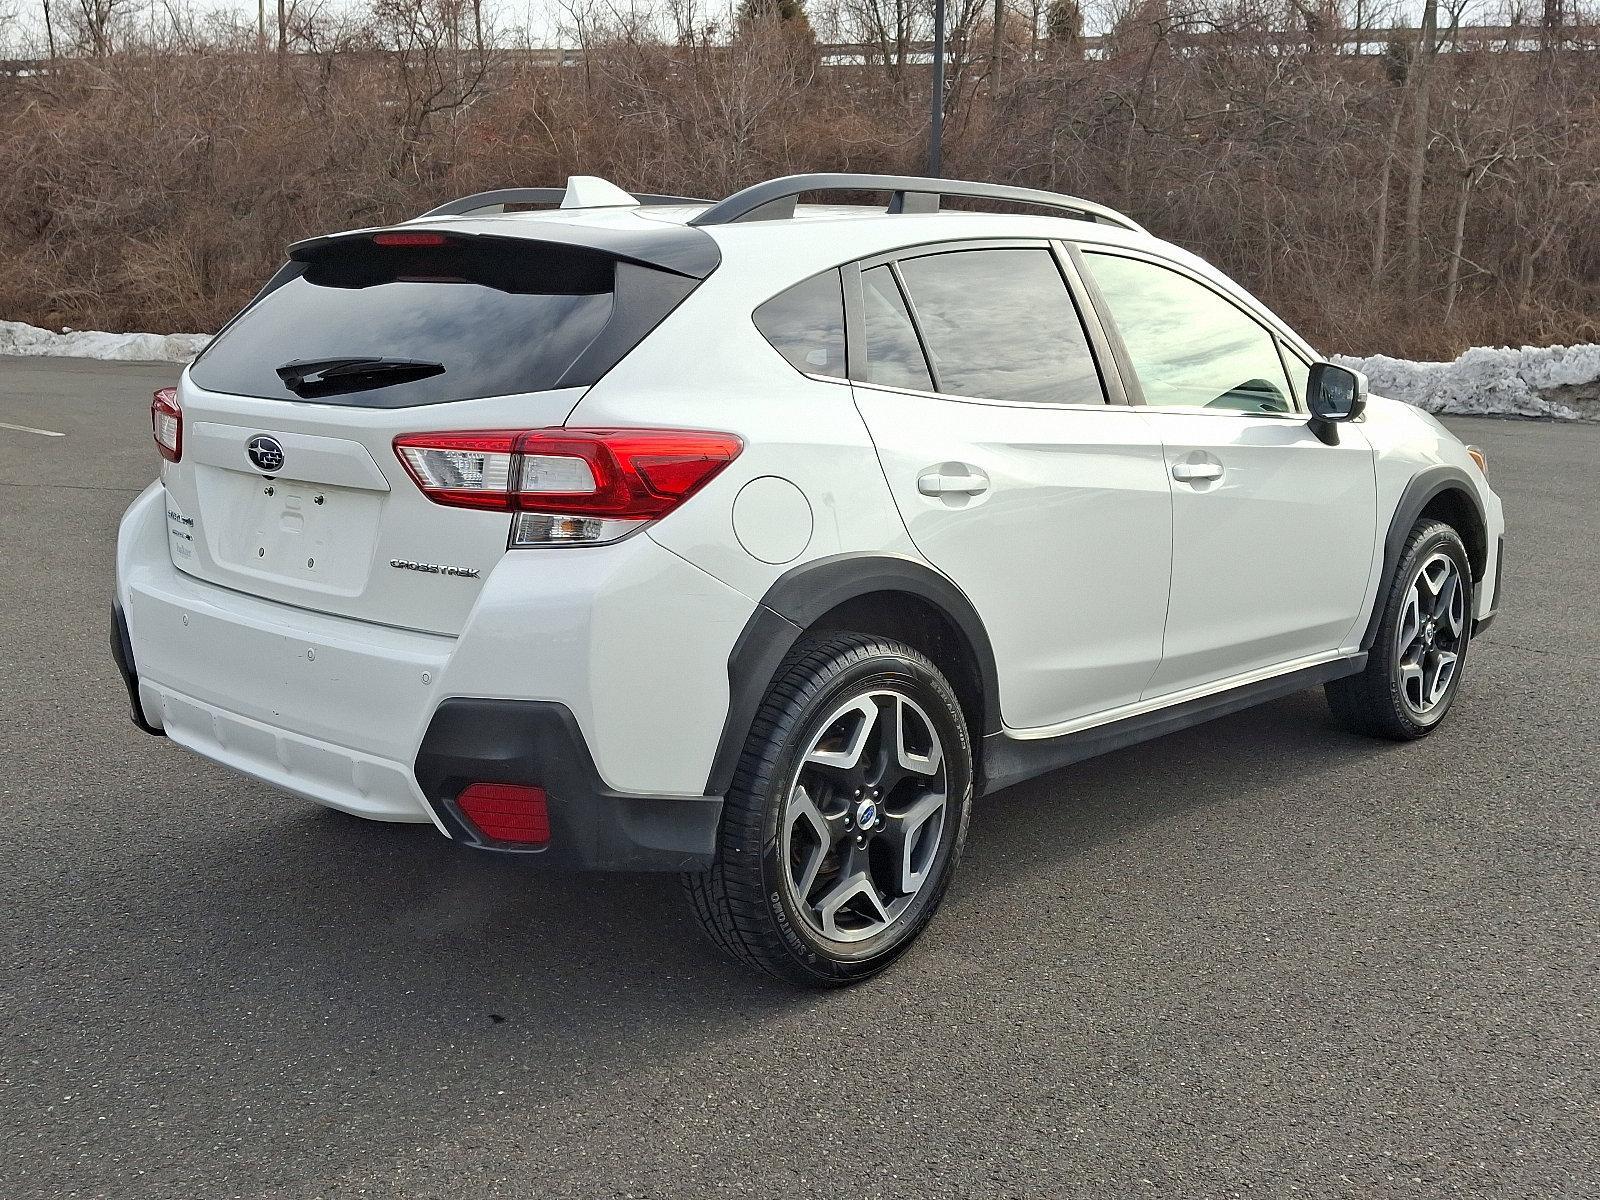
(383, 723)
(592, 826)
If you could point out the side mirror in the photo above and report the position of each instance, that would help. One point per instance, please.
(1334, 394)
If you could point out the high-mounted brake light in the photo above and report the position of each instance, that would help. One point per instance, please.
(567, 486)
(409, 238)
(166, 422)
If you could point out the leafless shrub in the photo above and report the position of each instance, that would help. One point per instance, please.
(154, 183)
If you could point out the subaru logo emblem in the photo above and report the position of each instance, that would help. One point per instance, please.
(266, 453)
(866, 814)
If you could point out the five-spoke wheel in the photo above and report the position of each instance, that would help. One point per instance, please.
(863, 818)
(847, 814)
(1424, 625)
(1432, 627)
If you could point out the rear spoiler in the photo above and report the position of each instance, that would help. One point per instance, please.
(661, 246)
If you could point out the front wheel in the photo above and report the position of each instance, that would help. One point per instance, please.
(1415, 663)
(846, 817)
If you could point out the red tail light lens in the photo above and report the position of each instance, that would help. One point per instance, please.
(166, 422)
(507, 812)
(591, 484)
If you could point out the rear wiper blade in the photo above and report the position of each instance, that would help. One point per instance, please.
(324, 376)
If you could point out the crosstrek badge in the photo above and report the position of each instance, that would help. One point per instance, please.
(404, 564)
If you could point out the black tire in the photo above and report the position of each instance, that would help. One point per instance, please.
(746, 902)
(1377, 701)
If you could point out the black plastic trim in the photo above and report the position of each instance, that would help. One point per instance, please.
(1483, 622)
(1008, 760)
(1499, 574)
(122, 655)
(794, 603)
(592, 826)
(1422, 488)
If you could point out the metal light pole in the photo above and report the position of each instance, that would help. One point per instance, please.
(936, 101)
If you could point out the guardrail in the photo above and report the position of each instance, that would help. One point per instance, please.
(1345, 42)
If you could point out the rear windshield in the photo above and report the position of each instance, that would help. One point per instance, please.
(442, 323)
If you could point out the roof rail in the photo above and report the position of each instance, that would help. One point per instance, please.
(496, 201)
(775, 199)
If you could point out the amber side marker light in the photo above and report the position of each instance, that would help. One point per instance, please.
(1477, 456)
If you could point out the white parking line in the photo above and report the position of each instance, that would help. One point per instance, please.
(31, 429)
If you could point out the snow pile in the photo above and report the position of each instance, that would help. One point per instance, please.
(17, 338)
(1492, 380)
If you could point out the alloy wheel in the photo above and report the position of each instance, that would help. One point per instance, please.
(865, 817)
(1431, 634)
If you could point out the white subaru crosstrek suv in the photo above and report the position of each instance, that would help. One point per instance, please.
(751, 541)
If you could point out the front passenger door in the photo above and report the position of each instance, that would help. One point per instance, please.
(1272, 530)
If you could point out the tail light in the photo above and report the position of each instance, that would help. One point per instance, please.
(567, 486)
(507, 812)
(166, 422)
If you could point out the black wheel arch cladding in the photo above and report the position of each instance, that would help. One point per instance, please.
(802, 596)
(1424, 488)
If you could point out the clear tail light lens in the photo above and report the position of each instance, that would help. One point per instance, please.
(166, 422)
(567, 486)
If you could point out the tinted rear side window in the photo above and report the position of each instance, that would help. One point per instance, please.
(806, 325)
(892, 355)
(1000, 325)
(499, 317)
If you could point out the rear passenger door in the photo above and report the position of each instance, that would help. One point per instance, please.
(977, 376)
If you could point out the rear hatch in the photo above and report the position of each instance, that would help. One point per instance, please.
(288, 486)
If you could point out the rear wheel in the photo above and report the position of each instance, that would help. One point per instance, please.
(1414, 667)
(846, 817)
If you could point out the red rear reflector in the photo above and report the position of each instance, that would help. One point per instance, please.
(417, 238)
(166, 423)
(507, 812)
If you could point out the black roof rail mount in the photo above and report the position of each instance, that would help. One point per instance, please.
(496, 201)
(775, 199)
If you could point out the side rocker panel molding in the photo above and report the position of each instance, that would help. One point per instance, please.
(1422, 489)
(792, 605)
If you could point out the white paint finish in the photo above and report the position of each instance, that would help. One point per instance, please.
(350, 682)
(772, 520)
(307, 457)
(1065, 555)
(1270, 558)
(331, 775)
(630, 637)
(805, 430)
(590, 191)
(1065, 549)
(1407, 441)
(372, 512)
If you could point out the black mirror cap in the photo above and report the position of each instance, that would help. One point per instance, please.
(1335, 393)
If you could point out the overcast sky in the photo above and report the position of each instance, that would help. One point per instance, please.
(544, 20)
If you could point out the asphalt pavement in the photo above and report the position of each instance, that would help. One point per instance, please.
(1262, 956)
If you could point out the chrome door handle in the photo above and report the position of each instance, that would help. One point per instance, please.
(1196, 472)
(936, 483)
